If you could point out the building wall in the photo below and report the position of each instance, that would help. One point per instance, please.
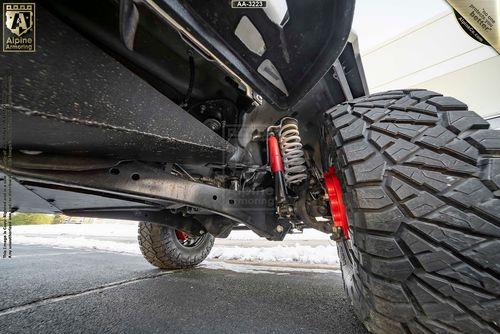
(438, 55)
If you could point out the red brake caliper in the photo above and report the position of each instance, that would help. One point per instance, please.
(337, 207)
(181, 235)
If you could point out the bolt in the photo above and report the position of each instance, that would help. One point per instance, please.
(256, 135)
(212, 124)
(258, 99)
(279, 228)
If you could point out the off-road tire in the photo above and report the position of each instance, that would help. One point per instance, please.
(421, 179)
(160, 247)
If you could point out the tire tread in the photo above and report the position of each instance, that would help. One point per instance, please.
(422, 175)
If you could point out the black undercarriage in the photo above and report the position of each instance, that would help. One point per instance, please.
(125, 111)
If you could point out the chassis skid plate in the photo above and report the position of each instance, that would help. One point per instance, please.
(138, 191)
(71, 98)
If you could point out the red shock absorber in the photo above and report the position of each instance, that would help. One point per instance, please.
(274, 154)
(337, 207)
(276, 163)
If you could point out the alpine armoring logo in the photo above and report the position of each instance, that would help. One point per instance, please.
(19, 27)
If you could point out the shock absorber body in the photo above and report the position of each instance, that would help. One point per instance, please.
(276, 168)
(286, 158)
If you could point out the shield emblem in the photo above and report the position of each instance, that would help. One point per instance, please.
(19, 21)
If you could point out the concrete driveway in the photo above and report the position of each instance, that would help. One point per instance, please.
(53, 290)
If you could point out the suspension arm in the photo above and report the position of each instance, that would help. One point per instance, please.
(144, 183)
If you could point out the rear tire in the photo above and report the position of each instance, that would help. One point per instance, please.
(160, 245)
(421, 181)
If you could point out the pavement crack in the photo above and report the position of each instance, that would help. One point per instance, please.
(54, 254)
(66, 296)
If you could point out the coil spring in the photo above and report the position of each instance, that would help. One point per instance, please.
(291, 150)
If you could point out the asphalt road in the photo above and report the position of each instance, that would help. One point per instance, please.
(51, 290)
